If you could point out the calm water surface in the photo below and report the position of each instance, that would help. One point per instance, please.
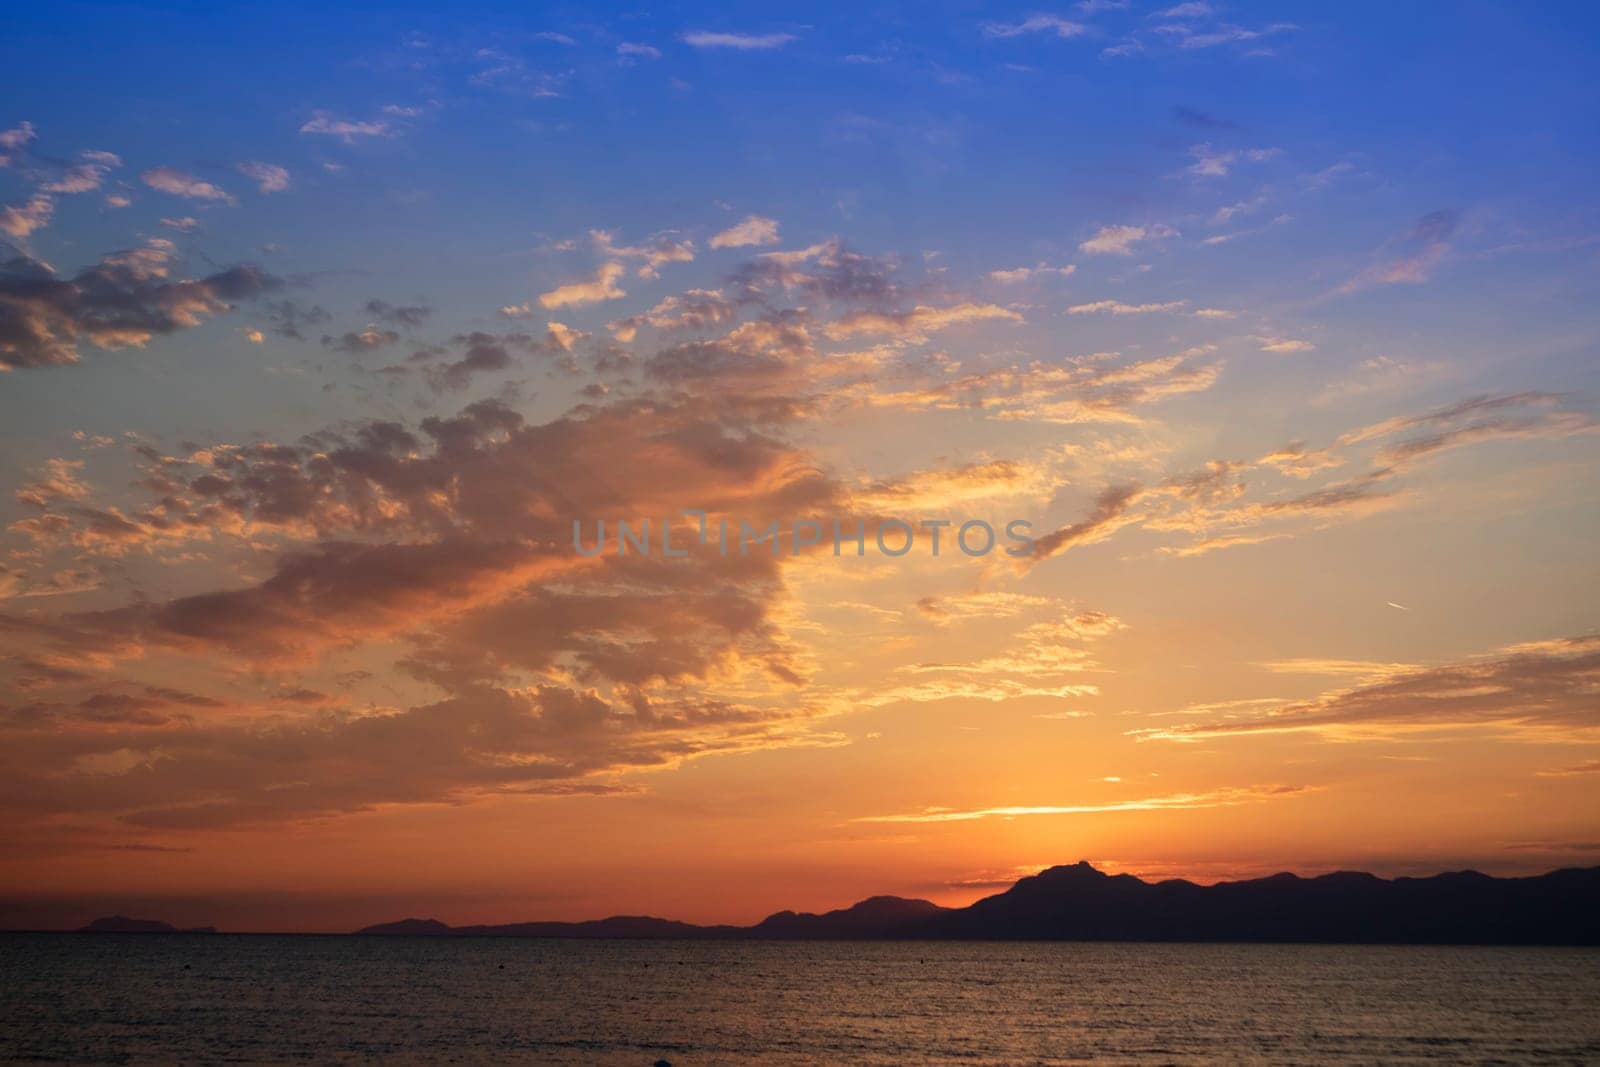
(263, 999)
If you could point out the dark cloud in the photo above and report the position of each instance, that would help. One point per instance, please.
(357, 342)
(548, 739)
(286, 318)
(556, 671)
(827, 271)
(123, 301)
(410, 315)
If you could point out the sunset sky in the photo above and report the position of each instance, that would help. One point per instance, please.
(1281, 327)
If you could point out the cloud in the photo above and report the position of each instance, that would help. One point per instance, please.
(123, 301)
(1285, 345)
(742, 42)
(1298, 461)
(1055, 24)
(978, 605)
(917, 323)
(1040, 653)
(1022, 274)
(1547, 426)
(1228, 212)
(603, 286)
(754, 230)
(1212, 162)
(445, 544)
(1110, 513)
(823, 271)
(1189, 38)
(1412, 258)
(943, 489)
(287, 318)
(269, 177)
(412, 315)
(486, 352)
(1080, 390)
(1538, 689)
(630, 50)
(1216, 798)
(991, 690)
(1214, 502)
(177, 183)
(59, 480)
(357, 342)
(660, 250)
(22, 220)
(1577, 770)
(14, 142)
(324, 124)
(1479, 418)
(165, 769)
(769, 358)
(1213, 544)
(1117, 307)
(563, 336)
(697, 309)
(83, 177)
(508, 73)
(1119, 240)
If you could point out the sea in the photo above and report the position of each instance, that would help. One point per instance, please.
(225, 998)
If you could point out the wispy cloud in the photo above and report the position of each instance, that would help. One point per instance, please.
(1120, 240)
(1051, 24)
(754, 230)
(1410, 259)
(918, 322)
(1543, 688)
(269, 177)
(1022, 274)
(1117, 307)
(1212, 162)
(741, 42)
(1216, 798)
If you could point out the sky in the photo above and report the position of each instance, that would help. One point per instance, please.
(320, 331)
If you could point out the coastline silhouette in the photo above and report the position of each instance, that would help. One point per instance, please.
(1081, 903)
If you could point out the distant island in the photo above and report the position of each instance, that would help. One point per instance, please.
(121, 924)
(1080, 903)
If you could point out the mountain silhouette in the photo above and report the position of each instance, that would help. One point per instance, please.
(870, 918)
(1081, 903)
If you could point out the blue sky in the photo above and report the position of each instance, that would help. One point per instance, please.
(952, 139)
